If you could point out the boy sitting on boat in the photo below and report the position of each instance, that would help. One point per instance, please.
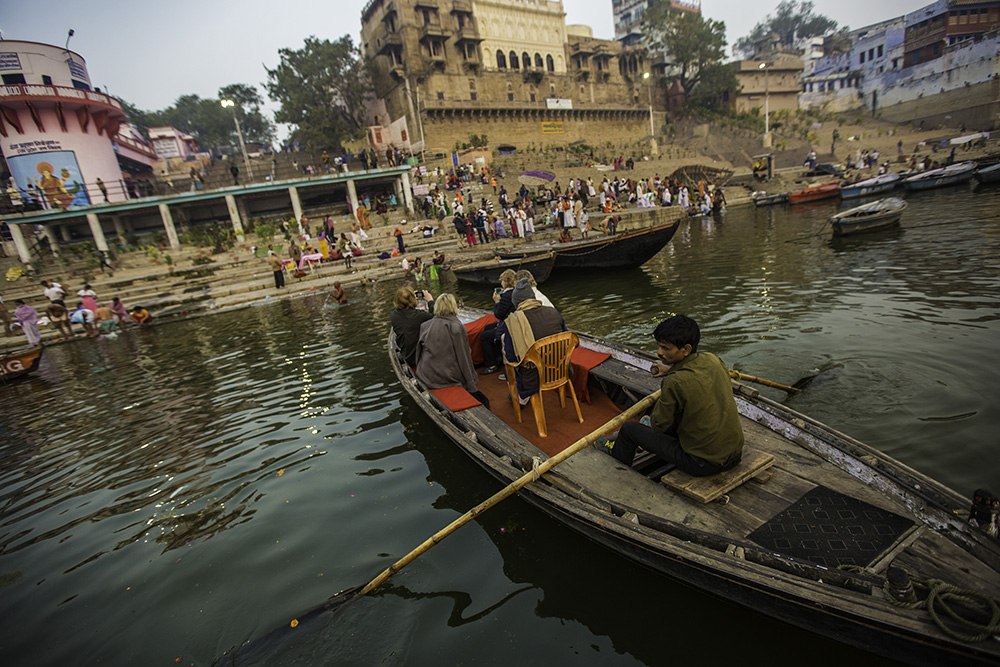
(694, 424)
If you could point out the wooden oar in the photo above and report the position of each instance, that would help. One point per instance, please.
(510, 490)
(736, 375)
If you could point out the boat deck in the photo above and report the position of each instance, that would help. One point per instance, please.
(749, 507)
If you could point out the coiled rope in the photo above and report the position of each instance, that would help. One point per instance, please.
(941, 600)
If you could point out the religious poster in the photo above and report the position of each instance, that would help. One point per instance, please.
(52, 177)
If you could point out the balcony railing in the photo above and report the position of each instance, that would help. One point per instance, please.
(60, 93)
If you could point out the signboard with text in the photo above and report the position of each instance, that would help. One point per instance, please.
(553, 127)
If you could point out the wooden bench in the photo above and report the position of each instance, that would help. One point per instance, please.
(707, 489)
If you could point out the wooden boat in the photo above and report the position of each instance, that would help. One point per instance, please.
(625, 250)
(938, 178)
(857, 506)
(488, 272)
(764, 199)
(870, 186)
(989, 174)
(20, 363)
(868, 217)
(815, 193)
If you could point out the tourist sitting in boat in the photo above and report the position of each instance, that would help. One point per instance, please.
(444, 358)
(141, 316)
(503, 305)
(694, 424)
(529, 322)
(406, 320)
(525, 274)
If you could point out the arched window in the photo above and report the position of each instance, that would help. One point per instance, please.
(549, 63)
(538, 61)
(525, 60)
(501, 60)
(513, 60)
(552, 89)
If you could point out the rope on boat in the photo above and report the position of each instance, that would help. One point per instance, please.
(535, 462)
(939, 602)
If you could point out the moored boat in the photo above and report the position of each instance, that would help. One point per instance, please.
(815, 193)
(989, 174)
(868, 217)
(20, 363)
(487, 272)
(938, 178)
(622, 250)
(774, 545)
(870, 186)
(764, 199)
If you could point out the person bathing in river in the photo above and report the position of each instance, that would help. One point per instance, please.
(694, 424)
(338, 293)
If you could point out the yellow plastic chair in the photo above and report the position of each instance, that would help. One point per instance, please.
(551, 356)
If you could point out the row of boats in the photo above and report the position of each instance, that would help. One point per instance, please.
(955, 174)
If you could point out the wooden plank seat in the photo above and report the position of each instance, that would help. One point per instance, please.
(707, 489)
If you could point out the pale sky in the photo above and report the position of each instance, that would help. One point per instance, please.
(150, 53)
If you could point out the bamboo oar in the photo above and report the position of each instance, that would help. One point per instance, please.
(736, 375)
(510, 490)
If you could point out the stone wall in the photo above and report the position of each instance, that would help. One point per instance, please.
(977, 106)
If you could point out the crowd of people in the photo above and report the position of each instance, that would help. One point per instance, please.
(93, 318)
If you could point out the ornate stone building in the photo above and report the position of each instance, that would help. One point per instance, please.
(510, 69)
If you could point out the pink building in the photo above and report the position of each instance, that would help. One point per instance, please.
(58, 135)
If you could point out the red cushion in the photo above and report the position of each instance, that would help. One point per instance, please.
(475, 329)
(583, 360)
(455, 398)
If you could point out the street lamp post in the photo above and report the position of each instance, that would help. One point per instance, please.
(239, 133)
(653, 148)
(767, 115)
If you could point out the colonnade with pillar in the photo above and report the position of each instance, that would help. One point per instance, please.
(235, 205)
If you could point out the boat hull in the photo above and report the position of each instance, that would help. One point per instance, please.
(852, 192)
(942, 181)
(20, 364)
(877, 215)
(672, 540)
(816, 193)
(626, 250)
(989, 174)
(488, 272)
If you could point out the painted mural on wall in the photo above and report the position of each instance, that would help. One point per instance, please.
(53, 177)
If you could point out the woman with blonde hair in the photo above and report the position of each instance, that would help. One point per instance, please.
(444, 358)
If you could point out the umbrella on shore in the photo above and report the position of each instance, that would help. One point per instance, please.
(536, 178)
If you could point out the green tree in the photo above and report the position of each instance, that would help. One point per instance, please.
(690, 41)
(791, 21)
(718, 86)
(257, 128)
(322, 89)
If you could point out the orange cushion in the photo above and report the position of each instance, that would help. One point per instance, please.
(455, 398)
(475, 329)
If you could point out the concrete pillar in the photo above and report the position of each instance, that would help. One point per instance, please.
(95, 229)
(51, 236)
(404, 180)
(168, 224)
(64, 233)
(352, 196)
(293, 193)
(22, 246)
(234, 215)
(119, 229)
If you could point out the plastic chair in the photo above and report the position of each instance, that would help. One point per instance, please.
(551, 356)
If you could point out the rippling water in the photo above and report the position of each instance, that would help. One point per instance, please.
(175, 492)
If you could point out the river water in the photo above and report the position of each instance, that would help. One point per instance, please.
(171, 494)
